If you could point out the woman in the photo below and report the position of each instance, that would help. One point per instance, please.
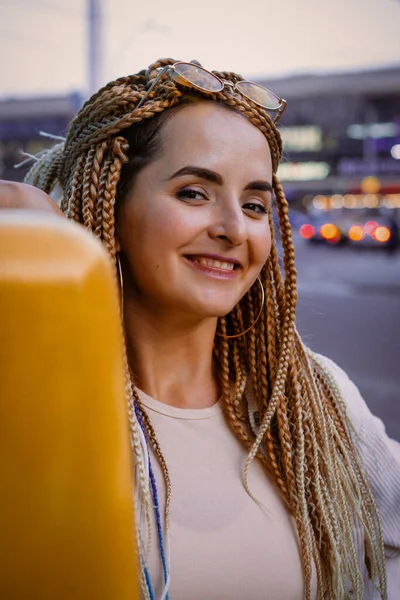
(249, 481)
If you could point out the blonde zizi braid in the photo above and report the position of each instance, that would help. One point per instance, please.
(303, 437)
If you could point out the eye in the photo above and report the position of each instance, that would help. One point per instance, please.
(255, 207)
(190, 195)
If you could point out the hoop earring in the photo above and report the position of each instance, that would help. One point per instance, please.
(236, 335)
(121, 282)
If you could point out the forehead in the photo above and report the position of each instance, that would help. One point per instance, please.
(221, 139)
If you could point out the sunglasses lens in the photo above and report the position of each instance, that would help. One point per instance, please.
(197, 76)
(259, 95)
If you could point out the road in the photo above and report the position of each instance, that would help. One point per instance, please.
(349, 310)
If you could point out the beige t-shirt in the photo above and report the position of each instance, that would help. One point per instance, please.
(223, 544)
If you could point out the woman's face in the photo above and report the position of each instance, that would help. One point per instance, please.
(193, 229)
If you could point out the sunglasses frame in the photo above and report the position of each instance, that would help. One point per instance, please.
(179, 78)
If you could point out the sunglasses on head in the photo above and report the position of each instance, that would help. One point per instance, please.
(194, 76)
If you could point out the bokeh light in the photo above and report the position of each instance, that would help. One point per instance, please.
(382, 234)
(356, 233)
(329, 231)
(307, 231)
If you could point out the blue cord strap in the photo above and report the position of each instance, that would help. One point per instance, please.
(157, 514)
(148, 580)
(158, 519)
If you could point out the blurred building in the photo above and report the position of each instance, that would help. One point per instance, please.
(341, 133)
(339, 130)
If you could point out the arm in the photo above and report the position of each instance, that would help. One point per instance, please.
(381, 458)
(20, 195)
(380, 454)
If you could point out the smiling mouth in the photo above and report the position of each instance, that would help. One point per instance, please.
(213, 264)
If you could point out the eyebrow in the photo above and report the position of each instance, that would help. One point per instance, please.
(263, 186)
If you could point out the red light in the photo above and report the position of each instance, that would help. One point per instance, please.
(370, 227)
(334, 240)
(307, 231)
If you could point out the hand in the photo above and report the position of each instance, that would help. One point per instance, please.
(20, 195)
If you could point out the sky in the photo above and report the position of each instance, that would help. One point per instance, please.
(43, 43)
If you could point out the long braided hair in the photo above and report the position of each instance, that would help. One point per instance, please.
(302, 436)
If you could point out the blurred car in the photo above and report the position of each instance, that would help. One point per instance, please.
(324, 227)
(372, 228)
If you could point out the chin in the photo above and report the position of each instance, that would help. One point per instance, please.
(211, 309)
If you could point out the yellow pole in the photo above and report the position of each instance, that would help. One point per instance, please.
(66, 516)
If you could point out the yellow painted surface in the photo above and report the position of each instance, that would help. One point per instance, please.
(66, 515)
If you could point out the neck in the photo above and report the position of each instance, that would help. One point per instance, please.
(171, 357)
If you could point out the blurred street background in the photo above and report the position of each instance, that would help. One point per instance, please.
(338, 66)
(349, 307)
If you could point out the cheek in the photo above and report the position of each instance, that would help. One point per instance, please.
(154, 234)
(169, 232)
(261, 246)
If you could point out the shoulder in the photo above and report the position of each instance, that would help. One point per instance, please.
(364, 422)
(379, 453)
(356, 407)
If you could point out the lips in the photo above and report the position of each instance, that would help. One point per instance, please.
(214, 262)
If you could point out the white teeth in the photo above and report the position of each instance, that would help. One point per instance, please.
(217, 264)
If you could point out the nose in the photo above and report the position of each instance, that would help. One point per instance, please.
(229, 225)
